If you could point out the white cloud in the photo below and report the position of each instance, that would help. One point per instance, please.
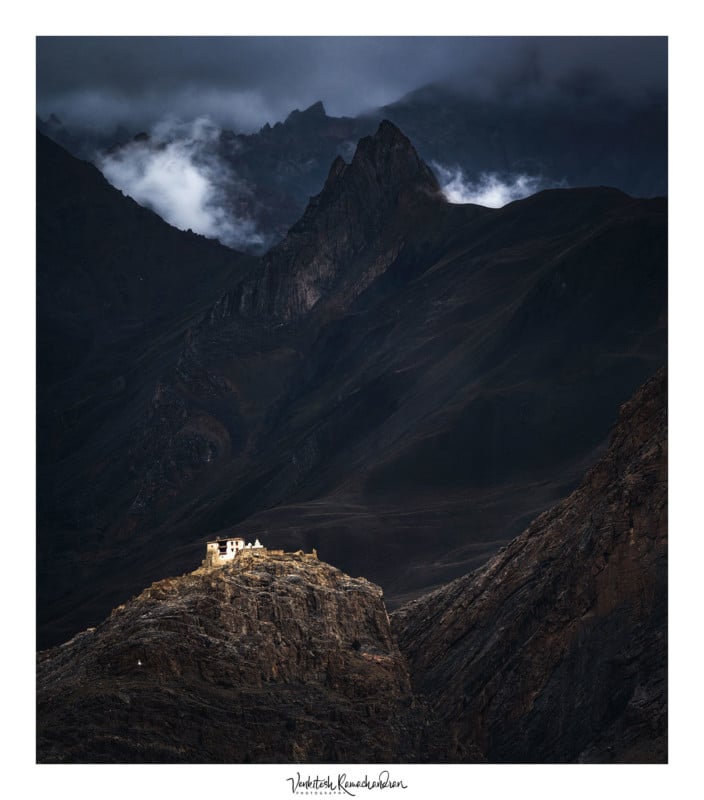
(179, 175)
(489, 189)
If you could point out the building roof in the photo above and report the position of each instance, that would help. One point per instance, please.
(225, 539)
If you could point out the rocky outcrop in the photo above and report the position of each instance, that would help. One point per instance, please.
(270, 658)
(557, 649)
(364, 206)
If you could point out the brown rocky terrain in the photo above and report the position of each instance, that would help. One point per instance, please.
(556, 650)
(271, 658)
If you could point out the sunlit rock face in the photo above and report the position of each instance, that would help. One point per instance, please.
(272, 657)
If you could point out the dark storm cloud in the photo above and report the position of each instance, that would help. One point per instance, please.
(243, 82)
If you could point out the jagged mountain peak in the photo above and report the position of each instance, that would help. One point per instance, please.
(384, 169)
(396, 165)
(387, 137)
(337, 168)
(368, 204)
(315, 110)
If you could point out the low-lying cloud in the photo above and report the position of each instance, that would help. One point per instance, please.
(490, 189)
(178, 173)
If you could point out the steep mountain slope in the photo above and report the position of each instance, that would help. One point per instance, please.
(261, 181)
(273, 658)
(556, 650)
(466, 388)
(117, 289)
(350, 233)
(285, 164)
(402, 384)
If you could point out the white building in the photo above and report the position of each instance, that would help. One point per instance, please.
(220, 551)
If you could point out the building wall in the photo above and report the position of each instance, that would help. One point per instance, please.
(213, 556)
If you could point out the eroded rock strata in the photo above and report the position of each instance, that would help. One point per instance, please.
(556, 650)
(272, 658)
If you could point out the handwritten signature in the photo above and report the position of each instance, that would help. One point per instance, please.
(343, 784)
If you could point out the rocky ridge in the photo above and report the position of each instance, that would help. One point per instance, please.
(274, 657)
(365, 206)
(556, 650)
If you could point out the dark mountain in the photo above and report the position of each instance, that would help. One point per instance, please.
(262, 180)
(401, 383)
(554, 651)
(285, 164)
(582, 135)
(349, 233)
(117, 289)
(85, 143)
(575, 136)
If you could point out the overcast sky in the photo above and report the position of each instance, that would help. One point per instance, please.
(244, 82)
